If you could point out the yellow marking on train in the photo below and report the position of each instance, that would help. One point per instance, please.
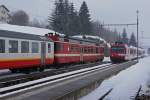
(71, 55)
(19, 59)
(64, 55)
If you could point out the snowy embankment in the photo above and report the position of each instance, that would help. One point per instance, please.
(4, 71)
(125, 84)
(106, 59)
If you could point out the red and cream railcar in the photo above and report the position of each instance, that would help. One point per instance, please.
(120, 52)
(141, 52)
(75, 50)
(24, 51)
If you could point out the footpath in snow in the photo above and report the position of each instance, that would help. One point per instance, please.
(125, 84)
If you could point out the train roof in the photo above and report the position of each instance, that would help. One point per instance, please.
(19, 35)
(90, 37)
(27, 29)
(84, 40)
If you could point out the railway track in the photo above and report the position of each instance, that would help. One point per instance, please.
(14, 79)
(54, 79)
(59, 75)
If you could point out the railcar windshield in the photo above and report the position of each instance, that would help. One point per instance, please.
(118, 49)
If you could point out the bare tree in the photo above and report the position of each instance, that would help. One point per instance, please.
(20, 18)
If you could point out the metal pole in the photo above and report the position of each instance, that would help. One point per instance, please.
(137, 35)
(142, 39)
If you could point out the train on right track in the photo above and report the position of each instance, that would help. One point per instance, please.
(120, 52)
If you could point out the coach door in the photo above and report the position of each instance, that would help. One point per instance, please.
(43, 53)
(81, 54)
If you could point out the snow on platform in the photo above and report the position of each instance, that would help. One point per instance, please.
(125, 84)
(106, 59)
(3, 71)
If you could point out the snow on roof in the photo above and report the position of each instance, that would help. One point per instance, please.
(4, 7)
(26, 29)
(90, 36)
(109, 45)
(133, 47)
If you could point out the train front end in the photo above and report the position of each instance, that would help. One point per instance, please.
(118, 53)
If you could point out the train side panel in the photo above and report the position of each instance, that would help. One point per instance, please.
(66, 53)
(21, 53)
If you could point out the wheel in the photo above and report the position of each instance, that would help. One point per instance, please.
(13, 70)
(101, 59)
(26, 71)
(41, 69)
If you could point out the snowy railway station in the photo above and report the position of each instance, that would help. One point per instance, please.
(74, 50)
(103, 79)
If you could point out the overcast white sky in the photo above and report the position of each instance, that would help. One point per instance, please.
(109, 11)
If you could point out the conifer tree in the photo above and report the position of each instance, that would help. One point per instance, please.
(132, 40)
(74, 23)
(64, 18)
(84, 16)
(124, 36)
(56, 20)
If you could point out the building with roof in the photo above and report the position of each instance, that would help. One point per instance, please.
(4, 14)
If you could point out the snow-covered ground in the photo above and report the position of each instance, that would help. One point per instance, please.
(4, 71)
(106, 59)
(125, 84)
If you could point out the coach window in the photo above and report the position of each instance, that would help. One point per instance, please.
(2, 46)
(84, 49)
(96, 49)
(58, 47)
(35, 47)
(91, 50)
(24, 47)
(13, 46)
(49, 48)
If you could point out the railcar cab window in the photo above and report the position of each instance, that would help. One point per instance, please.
(2, 46)
(58, 47)
(118, 49)
(13, 46)
(24, 47)
(35, 47)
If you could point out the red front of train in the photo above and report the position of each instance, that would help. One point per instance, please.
(122, 52)
(118, 52)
